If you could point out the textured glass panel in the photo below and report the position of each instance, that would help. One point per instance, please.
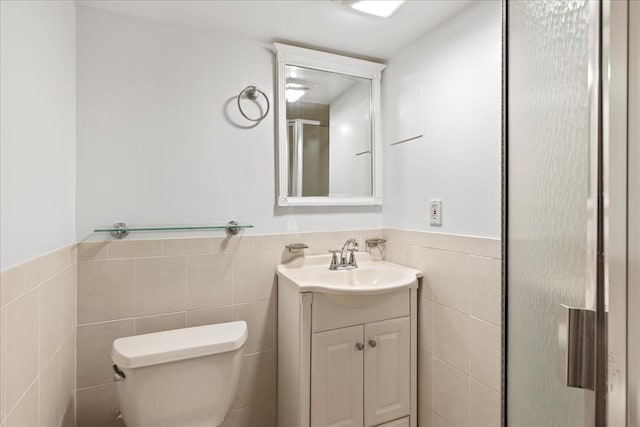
(315, 160)
(548, 202)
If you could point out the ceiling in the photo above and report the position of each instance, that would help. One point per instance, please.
(323, 86)
(318, 24)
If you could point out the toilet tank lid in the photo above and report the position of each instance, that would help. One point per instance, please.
(178, 344)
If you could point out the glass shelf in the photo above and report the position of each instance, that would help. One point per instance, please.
(120, 230)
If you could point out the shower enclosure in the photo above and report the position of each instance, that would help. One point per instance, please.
(309, 160)
(568, 226)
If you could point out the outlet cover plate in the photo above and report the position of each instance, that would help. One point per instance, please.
(435, 212)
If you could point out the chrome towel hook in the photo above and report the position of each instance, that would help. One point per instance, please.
(252, 93)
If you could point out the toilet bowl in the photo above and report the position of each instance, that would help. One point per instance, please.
(179, 378)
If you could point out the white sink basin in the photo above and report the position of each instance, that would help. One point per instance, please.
(312, 274)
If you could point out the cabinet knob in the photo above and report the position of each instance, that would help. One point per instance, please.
(359, 346)
(372, 343)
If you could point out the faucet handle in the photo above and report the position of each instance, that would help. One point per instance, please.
(352, 258)
(334, 259)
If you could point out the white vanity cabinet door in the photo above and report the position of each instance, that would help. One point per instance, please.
(336, 378)
(387, 377)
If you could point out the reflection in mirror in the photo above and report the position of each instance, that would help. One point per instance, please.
(328, 129)
(329, 133)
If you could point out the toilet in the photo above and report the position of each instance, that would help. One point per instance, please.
(179, 378)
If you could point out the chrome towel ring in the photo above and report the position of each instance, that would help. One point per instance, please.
(252, 93)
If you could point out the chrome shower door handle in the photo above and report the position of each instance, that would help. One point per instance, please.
(576, 347)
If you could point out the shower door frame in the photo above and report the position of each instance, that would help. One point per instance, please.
(633, 344)
(608, 294)
(615, 142)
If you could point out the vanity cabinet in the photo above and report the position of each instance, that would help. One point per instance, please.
(337, 383)
(360, 374)
(387, 357)
(346, 360)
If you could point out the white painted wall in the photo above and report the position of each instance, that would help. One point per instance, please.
(157, 141)
(37, 136)
(350, 134)
(457, 66)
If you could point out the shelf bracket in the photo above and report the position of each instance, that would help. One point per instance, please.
(232, 227)
(120, 234)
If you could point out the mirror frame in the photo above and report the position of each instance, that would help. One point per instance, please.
(307, 58)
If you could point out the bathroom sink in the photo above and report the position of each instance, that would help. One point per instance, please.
(372, 277)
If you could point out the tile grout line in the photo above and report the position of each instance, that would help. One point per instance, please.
(9, 412)
(447, 250)
(462, 312)
(462, 373)
(51, 252)
(23, 284)
(186, 288)
(172, 313)
(444, 235)
(113, 382)
(24, 287)
(253, 405)
(445, 418)
(3, 344)
(135, 288)
(57, 350)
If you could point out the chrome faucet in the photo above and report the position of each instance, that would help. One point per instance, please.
(343, 263)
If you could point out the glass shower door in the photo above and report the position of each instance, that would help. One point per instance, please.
(552, 201)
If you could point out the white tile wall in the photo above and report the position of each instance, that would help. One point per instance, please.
(142, 286)
(189, 282)
(459, 325)
(37, 341)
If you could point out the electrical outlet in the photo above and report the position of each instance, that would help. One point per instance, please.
(435, 212)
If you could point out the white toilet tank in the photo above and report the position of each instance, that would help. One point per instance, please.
(179, 378)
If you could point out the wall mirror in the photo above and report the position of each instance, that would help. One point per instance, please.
(328, 129)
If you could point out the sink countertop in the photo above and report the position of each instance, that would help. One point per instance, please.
(312, 274)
